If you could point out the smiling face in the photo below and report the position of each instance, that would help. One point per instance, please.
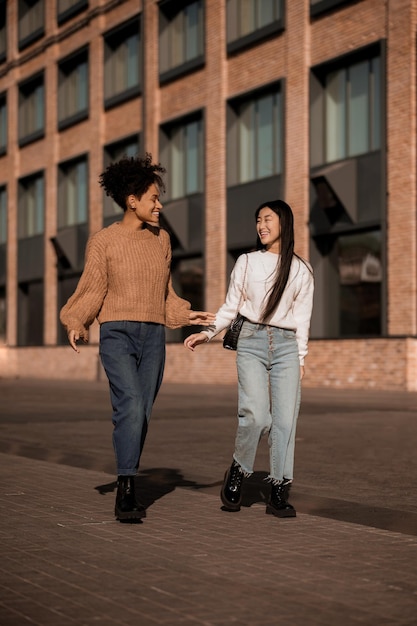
(269, 230)
(147, 208)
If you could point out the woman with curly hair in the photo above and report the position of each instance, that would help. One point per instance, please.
(126, 285)
(273, 289)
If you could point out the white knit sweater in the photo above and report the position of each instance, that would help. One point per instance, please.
(294, 309)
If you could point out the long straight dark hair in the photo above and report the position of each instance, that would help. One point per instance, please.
(286, 219)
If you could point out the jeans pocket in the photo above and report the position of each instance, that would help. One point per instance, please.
(248, 330)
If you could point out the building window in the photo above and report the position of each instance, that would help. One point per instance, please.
(322, 6)
(31, 21)
(346, 105)
(3, 124)
(114, 152)
(188, 282)
(181, 36)
(73, 192)
(359, 270)
(182, 149)
(122, 74)
(3, 215)
(255, 137)
(2, 315)
(3, 31)
(31, 206)
(250, 20)
(73, 89)
(31, 110)
(70, 8)
(31, 297)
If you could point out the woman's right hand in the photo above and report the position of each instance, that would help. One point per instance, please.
(73, 337)
(195, 340)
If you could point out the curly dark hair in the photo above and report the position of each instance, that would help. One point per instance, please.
(131, 175)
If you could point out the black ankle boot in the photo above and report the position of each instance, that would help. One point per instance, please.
(231, 493)
(126, 506)
(278, 504)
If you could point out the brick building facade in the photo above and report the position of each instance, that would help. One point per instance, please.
(243, 101)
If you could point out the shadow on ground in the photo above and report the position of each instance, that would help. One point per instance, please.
(156, 483)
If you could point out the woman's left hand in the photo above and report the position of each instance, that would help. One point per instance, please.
(201, 318)
(301, 372)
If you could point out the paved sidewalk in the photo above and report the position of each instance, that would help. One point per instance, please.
(350, 556)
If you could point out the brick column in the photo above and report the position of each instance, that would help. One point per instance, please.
(151, 113)
(215, 155)
(401, 166)
(51, 202)
(297, 118)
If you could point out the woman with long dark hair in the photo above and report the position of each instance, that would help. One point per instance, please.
(272, 288)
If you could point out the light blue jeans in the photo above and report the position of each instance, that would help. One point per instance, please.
(133, 356)
(269, 397)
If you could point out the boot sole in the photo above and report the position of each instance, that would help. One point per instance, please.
(284, 513)
(126, 515)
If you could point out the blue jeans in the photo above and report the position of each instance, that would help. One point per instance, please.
(133, 356)
(269, 397)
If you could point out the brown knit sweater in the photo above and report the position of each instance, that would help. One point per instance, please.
(126, 277)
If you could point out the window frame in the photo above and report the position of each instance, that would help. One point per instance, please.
(3, 122)
(39, 212)
(74, 9)
(318, 119)
(277, 88)
(3, 30)
(64, 169)
(30, 85)
(27, 39)
(168, 11)
(166, 145)
(325, 6)
(3, 214)
(241, 42)
(71, 63)
(116, 34)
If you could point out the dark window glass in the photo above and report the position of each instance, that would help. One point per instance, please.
(183, 151)
(69, 8)
(360, 279)
(181, 34)
(3, 124)
(122, 73)
(73, 88)
(256, 137)
(73, 192)
(3, 31)
(347, 106)
(31, 21)
(31, 109)
(3, 215)
(31, 206)
(247, 16)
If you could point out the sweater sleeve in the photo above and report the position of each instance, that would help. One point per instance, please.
(176, 309)
(84, 305)
(302, 308)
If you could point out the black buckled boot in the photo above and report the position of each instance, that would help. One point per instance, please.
(231, 493)
(126, 507)
(278, 504)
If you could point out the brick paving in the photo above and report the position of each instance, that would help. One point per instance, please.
(350, 556)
